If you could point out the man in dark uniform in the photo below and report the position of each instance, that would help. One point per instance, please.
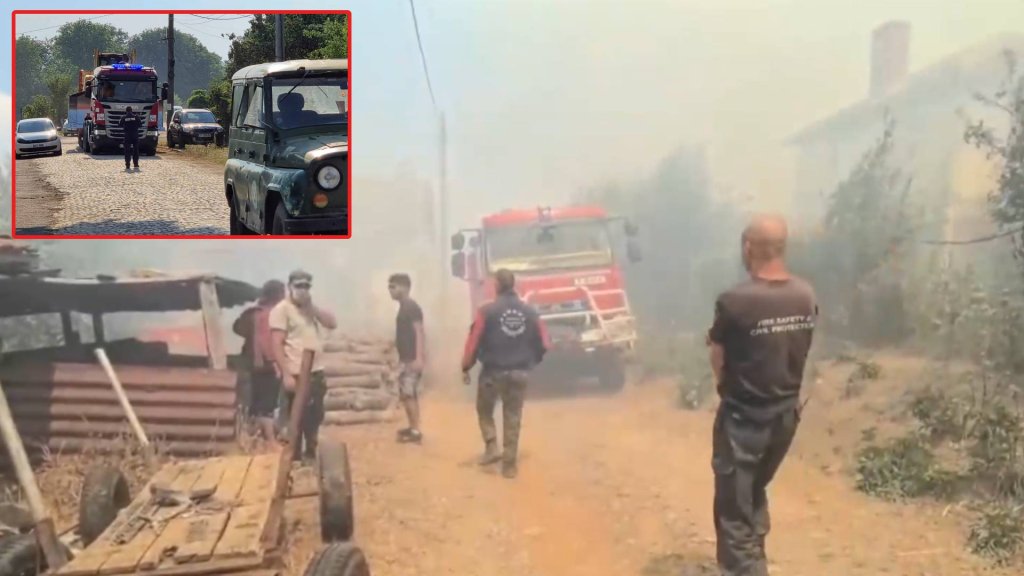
(759, 341)
(508, 339)
(130, 125)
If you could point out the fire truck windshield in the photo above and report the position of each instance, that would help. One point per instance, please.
(543, 246)
(137, 89)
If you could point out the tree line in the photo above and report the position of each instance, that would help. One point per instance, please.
(47, 70)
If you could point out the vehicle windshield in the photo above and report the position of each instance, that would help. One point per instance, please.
(556, 245)
(126, 90)
(198, 118)
(41, 125)
(315, 101)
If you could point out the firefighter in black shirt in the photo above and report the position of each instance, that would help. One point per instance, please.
(130, 125)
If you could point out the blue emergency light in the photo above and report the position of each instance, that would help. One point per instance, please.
(121, 66)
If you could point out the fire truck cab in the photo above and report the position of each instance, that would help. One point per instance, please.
(568, 268)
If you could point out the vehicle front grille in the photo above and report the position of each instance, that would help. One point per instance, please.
(33, 140)
(114, 116)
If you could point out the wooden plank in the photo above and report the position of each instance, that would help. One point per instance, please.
(93, 557)
(236, 468)
(212, 324)
(261, 479)
(126, 559)
(244, 532)
(204, 533)
(210, 476)
(186, 539)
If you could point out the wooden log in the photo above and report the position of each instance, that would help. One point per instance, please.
(357, 400)
(350, 418)
(353, 358)
(357, 381)
(335, 368)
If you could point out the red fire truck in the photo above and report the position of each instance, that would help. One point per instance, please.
(567, 267)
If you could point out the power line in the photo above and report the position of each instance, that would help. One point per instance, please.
(221, 19)
(59, 25)
(423, 57)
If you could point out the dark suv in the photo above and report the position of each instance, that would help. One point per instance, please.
(194, 126)
(287, 168)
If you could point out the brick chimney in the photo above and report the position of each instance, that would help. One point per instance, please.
(890, 57)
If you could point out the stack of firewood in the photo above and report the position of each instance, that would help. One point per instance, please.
(362, 374)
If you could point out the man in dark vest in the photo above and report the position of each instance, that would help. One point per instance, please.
(759, 343)
(130, 125)
(508, 339)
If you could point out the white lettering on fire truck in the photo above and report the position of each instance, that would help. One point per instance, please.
(589, 280)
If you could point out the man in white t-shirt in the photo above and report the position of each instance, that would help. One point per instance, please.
(296, 325)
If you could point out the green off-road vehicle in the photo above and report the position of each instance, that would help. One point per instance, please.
(287, 168)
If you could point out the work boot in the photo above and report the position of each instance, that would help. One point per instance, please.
(491, 454)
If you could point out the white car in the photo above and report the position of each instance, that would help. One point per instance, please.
(37, 136)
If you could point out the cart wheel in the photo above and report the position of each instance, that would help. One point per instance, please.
(338, 559)
(104, 493)
(334, 476)
(20, 555)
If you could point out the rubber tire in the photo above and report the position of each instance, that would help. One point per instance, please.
(104, 493)
(277, 225)
(16, 517)
(338, 559)
(59, 152)
(334, 479)
(612, 376)
(20, 555)
(148, 151)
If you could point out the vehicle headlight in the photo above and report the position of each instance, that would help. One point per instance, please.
(53, 135)
(328, 177)
(186, 129)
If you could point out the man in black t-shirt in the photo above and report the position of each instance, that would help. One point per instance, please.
(410, 342)
(759, 342)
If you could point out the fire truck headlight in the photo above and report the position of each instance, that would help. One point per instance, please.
(328, 177)
(99, 116)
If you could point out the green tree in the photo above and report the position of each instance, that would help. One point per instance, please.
(31, 56)
(59, 87)
(195, 67)
(1007, 199)
(305, 36)
(199, 99)
(75, 42)
(220, 101)
(40, 107)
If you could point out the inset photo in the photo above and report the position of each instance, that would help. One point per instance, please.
(145, 124)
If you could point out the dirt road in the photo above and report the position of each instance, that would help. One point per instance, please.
(615, 486)
(86, 194)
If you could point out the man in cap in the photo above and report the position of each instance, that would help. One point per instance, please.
(130, 125)
(508, 338)
(759, 342)
(253, 325)
(296, 325)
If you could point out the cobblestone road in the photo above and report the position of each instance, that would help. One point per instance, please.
(93, 194)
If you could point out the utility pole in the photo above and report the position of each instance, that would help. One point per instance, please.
(442, 213)
(170, 71)
(279, 37)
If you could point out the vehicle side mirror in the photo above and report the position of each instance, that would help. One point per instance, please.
(630, 228)
(459, 265)
(633, 252)
(163, 91)
(458, 241)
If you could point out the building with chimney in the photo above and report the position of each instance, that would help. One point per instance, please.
(931, 109)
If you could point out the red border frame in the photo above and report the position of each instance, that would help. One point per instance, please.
(14, 115)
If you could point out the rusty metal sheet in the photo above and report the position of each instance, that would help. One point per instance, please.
(138, 397)
(159, 293)
(148, 377)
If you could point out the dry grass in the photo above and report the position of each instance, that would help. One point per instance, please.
(210, 154)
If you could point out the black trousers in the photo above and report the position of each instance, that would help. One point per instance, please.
(745, 457)
(131, 152)
(312, 416)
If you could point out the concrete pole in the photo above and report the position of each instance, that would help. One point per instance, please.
(279, 37)
(170, 71)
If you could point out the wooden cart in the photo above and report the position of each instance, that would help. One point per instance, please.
(219, 515)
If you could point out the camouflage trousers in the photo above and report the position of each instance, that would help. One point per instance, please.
(745, 457)
(510, 387)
